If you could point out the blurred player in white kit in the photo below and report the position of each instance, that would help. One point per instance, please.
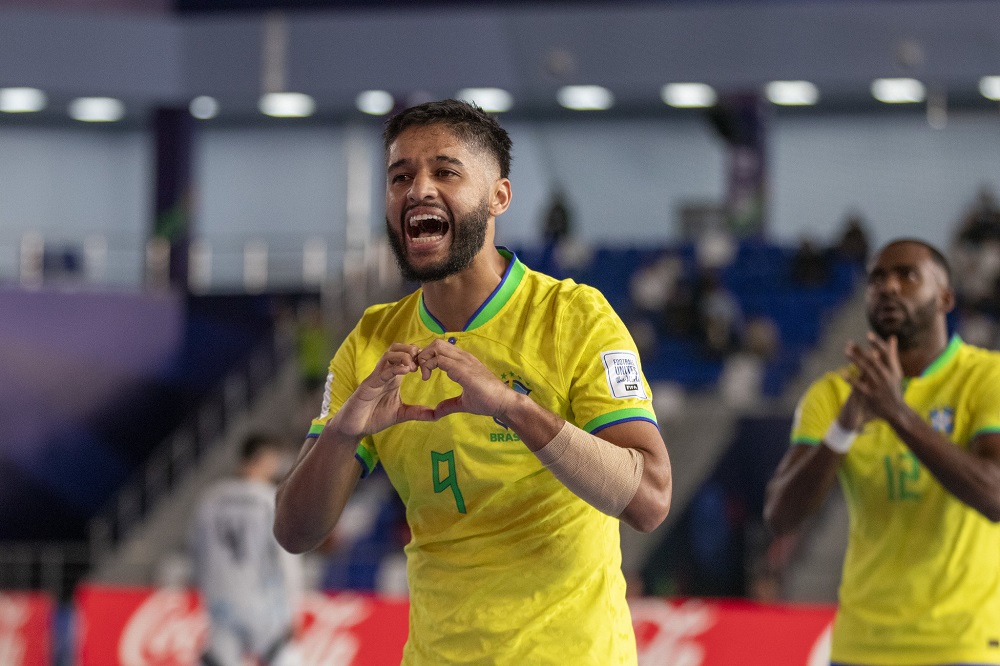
(250, 586)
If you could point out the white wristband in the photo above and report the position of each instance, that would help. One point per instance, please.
(839, 439)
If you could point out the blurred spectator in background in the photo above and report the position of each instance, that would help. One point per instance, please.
(313, 345)
(741, 381)
(720, 318)
(650, 289)
(975, 258)
(811, 265)
(558, 222)
(853, 245)
(557, 227)
(250, 586)
(981, 223)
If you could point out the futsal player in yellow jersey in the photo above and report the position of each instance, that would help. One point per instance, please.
(509, 411)
(912, 429)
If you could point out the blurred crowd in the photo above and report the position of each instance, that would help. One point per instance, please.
(716, 549)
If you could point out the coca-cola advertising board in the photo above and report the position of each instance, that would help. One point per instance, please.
(25, 628)
(146, 627)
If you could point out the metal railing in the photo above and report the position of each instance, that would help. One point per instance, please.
(53, 567)
(253, 264)
(56, 566)
(180, 453)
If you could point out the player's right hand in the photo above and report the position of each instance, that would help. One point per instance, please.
(375, 404)
(855, 412)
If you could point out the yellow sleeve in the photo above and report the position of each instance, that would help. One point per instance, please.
(341, 381)
(986, 409)
(598, 355)
(817, 409)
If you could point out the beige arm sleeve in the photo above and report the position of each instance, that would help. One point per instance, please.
(602, 474)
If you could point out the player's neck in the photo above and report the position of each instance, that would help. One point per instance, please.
(455, 299)
(916, 358)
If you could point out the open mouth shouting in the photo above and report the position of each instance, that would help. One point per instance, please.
(424, 229)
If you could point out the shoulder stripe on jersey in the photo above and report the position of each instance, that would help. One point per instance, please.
(620, 416)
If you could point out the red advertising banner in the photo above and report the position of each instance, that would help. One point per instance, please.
(25, 628)
(145, 627)
(700, 632)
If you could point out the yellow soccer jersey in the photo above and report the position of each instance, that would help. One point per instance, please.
(921, 579)
(506, 565)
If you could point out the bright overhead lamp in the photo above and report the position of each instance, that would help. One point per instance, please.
(898, 91)
(989, 86)
(491, 100)
(375, 102)
(204, 107)
(21, 100)
(287, 105)
(585, 98)
(688, 95)
(96, 109)
(792, 93)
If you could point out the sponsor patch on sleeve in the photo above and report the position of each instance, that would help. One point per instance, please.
(624, 380)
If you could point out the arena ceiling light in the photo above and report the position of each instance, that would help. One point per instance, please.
(898, 91)
(375, 102)
(989, 86)
(688, 95)
(96, 109)
(21, 100)
(792, 93)
(204, 107)
(287, 105)
(491, 100)
(585, 98)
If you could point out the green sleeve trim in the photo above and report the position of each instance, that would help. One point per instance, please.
(809, 441)
(366, 459)
(988, 430)
(620, 416)
(315, 429)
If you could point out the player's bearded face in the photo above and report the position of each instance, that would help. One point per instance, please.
(893, 316)
(468, 238)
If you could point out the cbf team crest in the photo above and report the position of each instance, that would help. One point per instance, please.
(515, 382)
(943, 419)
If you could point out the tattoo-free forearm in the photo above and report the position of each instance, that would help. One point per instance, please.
(799, 487)
(972, 478)
(313, 495)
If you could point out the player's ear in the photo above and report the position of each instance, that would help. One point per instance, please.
(500, 198)
(947, 299)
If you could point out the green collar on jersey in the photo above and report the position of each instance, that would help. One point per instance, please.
(508, 284)
(942, 360)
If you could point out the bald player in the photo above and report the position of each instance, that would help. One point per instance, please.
(911, 427)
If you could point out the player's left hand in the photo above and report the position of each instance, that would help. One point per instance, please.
(880, 376)
(482, 392)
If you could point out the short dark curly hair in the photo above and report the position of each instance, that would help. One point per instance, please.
(473, 125)
(256, 442)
